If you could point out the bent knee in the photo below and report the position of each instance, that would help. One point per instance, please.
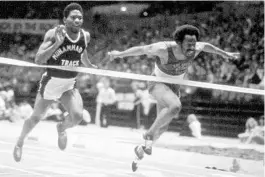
(175, 108)
(77, 116)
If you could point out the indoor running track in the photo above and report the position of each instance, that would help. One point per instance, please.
(101, 159)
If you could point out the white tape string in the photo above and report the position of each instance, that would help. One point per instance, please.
(8, 61)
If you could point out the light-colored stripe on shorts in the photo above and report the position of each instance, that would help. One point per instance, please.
(55, 87)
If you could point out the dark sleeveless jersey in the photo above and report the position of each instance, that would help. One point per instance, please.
(68, 54)
(174, 66)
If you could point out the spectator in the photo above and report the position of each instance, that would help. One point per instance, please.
(194, 126)
(251, 124)
(257, 136)
(86, 116)
(105, 99)
(144, 98)
(253, 133)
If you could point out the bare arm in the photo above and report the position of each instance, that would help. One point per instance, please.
(52, 40)
(152, 49)
(134, 51)
(85, 59)
(207, 47)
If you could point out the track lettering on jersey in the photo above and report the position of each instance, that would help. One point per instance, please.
(69, 53)
(66, 48)
(70, 63)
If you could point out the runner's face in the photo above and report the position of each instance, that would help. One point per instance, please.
(74, 21)
(188, 45)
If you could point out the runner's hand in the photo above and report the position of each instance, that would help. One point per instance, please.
(232, 56)
(60, 33)
(113, 55)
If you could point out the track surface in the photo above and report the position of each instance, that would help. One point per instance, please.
(103, 155)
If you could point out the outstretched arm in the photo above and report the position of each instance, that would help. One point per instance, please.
(152, 49)
(207, 47)
(134, 51)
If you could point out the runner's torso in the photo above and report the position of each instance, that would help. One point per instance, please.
(175, 66)
(68, 54)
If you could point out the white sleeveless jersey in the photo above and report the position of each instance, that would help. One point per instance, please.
(174, 67)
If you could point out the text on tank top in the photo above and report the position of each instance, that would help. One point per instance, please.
(68, 54)
(173, 66)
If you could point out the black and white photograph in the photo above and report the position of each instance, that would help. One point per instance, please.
(132, 88)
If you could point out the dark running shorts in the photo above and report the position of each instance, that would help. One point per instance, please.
(174, 87)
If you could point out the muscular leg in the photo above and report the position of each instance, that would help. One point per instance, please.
(73, 103)
(40, 107)
(168, 107)
(162, 129)
(159, 108)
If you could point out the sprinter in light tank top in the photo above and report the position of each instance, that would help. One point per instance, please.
(64, 45)
(173, 59)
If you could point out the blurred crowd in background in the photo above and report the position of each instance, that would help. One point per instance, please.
(226, 29)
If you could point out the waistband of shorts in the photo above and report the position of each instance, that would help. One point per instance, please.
(59, 79)
(63, 79)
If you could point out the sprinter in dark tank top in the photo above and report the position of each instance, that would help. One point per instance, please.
(64, 45)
